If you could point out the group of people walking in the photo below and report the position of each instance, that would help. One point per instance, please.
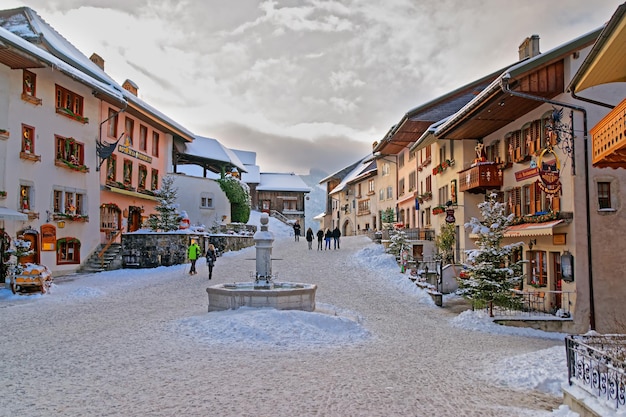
(322, 236)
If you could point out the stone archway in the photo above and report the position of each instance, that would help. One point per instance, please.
(347, 229)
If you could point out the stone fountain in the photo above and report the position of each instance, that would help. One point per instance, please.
(264, 291)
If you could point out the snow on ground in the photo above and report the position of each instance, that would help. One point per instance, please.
(329, 327)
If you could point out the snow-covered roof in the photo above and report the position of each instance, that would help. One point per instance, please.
(365, 166)
(247, 157)
(27, 25)
(27, 47)
(253, 171)
(271, 181)
(210, 148)
(253, 176)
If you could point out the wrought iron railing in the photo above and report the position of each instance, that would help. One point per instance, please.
(597, 365)
(532, 303)
(411, 234)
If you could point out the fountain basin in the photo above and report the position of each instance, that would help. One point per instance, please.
(278, 295)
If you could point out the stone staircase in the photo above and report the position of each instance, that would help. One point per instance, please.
(112, 259)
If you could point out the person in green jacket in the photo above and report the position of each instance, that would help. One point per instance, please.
(193, 253)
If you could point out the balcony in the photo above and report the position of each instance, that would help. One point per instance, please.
(609, 139)
(480, 178)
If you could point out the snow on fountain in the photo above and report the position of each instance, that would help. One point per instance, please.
(264, 291)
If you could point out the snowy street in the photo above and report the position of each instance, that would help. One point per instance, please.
(141, 343)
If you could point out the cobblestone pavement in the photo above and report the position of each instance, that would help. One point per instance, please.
(114, 354)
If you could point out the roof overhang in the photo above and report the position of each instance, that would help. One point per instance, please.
(17, 59)
(418, 120)
(606, 62)
(542, 76)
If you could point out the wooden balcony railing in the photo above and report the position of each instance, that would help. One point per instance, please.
(609, 140)
(481, 177)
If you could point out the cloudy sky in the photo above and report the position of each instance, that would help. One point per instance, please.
(307, 83)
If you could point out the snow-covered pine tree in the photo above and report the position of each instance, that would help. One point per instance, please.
(399, 242)
(167, 217)
(492, 273)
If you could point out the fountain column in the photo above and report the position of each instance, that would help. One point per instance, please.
(263, 240)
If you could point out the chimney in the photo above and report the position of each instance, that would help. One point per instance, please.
(97, 59)
(529, 48)
(130, 86)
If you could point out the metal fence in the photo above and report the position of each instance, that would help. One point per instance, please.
(597, 365)
(532, 303)
(411, 234)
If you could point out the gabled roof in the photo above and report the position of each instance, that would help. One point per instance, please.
(606, 62)
(417, 121)
(18, 53)
(26, 24)
(494, 108)
(208, 153)
(253, 174)
(365, 167)
(274, 181)
(253, 171)
(341, 173)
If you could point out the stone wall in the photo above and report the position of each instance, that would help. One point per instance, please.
(149, 250)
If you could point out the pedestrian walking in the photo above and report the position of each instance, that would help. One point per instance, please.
(309, 238)
(327, 237)
(193, 253)
(320, 238)
(211, 257)
(296, 230)
(336, 236)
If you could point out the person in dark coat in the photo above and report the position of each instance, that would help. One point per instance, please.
(327, 237)
(296, 230)
(211, 257)
(309, 237)
(336, 236)
(320, 238)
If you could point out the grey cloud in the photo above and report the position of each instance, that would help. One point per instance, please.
(287, 154)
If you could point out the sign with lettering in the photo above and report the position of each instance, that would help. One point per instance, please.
(48, 237)
(524, 174)
(126, 150)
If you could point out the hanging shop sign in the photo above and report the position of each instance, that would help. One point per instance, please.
(549, 173)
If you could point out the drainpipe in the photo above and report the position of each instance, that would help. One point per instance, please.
(123, 109)
(592, 101)
(504, 85)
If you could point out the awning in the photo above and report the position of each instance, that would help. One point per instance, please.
(8, 214)
(532, 229)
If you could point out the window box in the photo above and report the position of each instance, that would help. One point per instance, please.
(69, 165)
(70, 114)
(425, 197)
(443, 166)
(438, 210)
(31, 214)
(30, 156)
(32, 99)
(3, 195)
(70, 217)
(146, 192)
(4, 134)
(117, 184)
